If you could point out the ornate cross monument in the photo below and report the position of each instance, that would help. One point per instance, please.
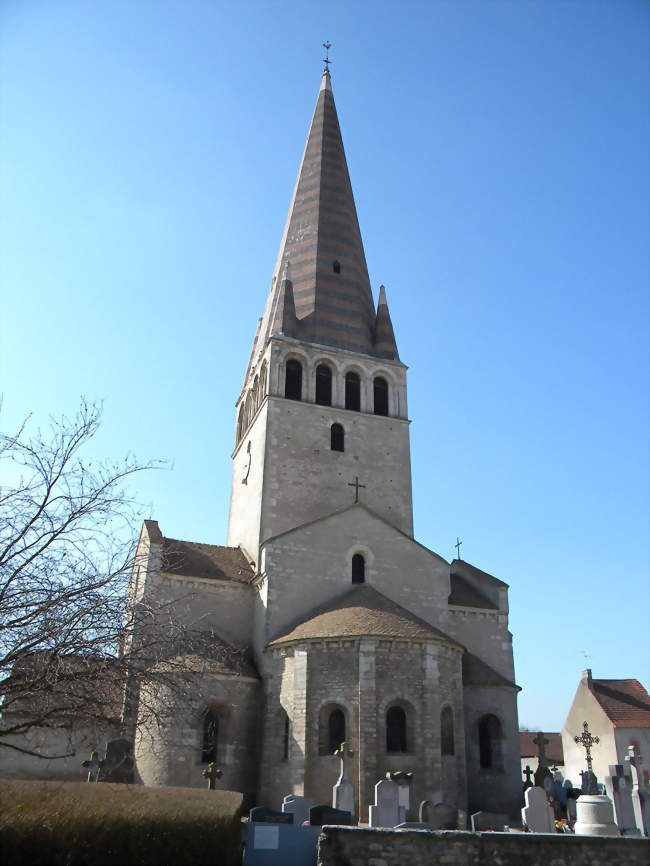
(343, 792)
(587, 740)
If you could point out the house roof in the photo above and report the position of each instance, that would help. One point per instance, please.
(361, 612)
(193, 559)
(554, 750)
(625, 702)
(478, 673)
(464, 594)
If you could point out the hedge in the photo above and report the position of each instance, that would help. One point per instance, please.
(79, 824)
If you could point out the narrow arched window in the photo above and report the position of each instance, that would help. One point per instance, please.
(240, 423)
(447, 731)
(352, 392)
(336, 267)
(337, 437)
(293, 380)
(210, 737)
(489, 742)
(263, 376)
(396, 730)
(358, 568)
(323, 385)
(380, 394)
(335, 730)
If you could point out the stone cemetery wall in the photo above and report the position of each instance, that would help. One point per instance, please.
(341, 846)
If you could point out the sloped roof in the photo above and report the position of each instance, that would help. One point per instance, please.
(193, 559)
(554, 750)
(464, 568)
(625, 702)
(478, 673)
(361, 612)
(465, 595)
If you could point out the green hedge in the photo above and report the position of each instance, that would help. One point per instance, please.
(77, 824)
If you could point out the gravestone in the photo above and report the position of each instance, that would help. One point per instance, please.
(640, 799)
(116, 766)
(403, 781)
(343, 791)
(537, 815)
(321, 815)
(595, 816)
(298, 807)
(489, 821)
(264, 815)
(620, 787)
(385, 811)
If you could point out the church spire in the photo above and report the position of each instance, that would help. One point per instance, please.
(385, 345)
(329, 289)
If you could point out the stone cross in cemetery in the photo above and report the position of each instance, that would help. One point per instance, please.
(93, 766)
(528, 774)
(587, 740)
(542, 773)
(343, 791)
(619, 787)
(634, 763)
(212, 773)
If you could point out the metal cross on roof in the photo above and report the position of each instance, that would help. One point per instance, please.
(587, 740)
(356, 486)
(457, 546)
(326, 59)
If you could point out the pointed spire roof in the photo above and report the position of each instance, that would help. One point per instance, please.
(329, 290)
(385, 345)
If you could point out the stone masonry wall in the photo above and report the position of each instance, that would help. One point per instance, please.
(349, 846)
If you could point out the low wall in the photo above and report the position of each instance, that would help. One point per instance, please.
(352, 846)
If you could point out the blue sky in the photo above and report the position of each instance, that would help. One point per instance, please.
(499, 158)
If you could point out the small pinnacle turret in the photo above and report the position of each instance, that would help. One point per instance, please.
(385, 345)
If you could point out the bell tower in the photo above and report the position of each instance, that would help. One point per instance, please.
(322, 415)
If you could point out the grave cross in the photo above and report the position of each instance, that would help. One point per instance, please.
(344, 753)
(356, 486)
(93, 766)
(212, 773)
(528, 773)
(587, 740)
(634, 762)
(541, 742)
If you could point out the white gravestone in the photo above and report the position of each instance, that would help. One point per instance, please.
(639, 797)
(385, 812)
(537, 815)
(298, 807)
(403, 800)
(343, 791)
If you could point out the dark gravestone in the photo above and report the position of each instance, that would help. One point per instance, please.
(117, 765)
(320, 815)
(264, 815)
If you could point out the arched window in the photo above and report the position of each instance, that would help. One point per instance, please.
(358, 568)
(380, 393)
(337, 436)
(210, 737)
(396, 730)
(240, 423)
(293, 380)
(335, 730)
(353, 392)
(336, 267)
(249, 408)
(489, 742)
(323, 385)
(447, 731)
(256, 385)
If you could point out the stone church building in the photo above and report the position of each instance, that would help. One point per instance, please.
(329, 621)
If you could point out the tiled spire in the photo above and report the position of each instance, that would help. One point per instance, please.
(329, 286)
(385, 345)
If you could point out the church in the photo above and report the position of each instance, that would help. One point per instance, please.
(327, 620)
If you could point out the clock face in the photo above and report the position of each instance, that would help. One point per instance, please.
(247, 464)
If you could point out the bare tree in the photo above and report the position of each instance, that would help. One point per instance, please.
(67, 543)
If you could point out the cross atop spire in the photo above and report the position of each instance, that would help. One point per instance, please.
(327, 45)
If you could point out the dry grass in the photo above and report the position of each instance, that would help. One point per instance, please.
(80, 824)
